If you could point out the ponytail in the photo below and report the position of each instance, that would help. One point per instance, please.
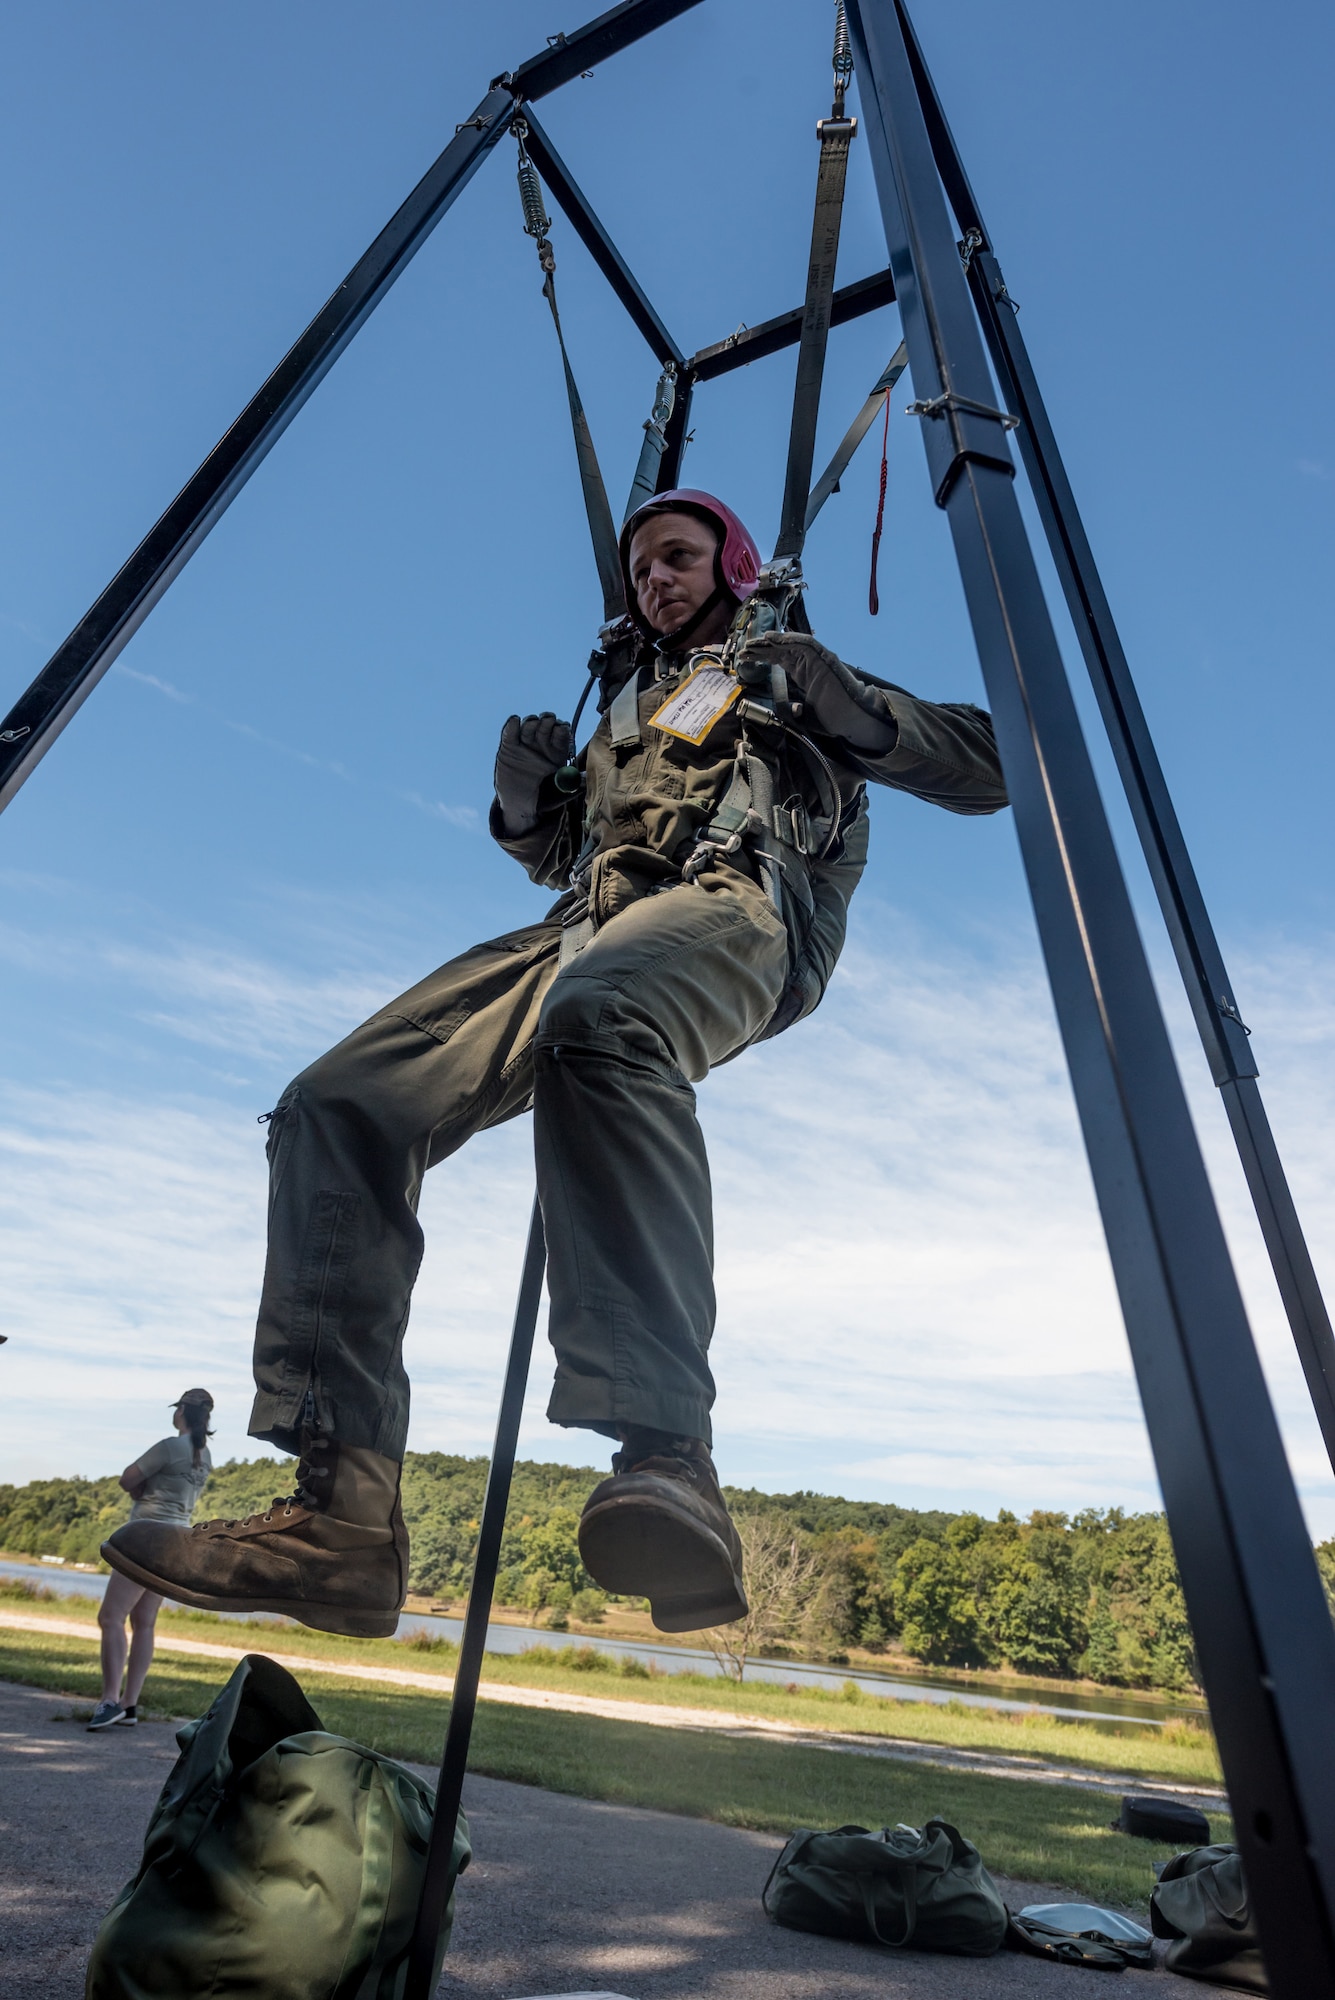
(196, 1406)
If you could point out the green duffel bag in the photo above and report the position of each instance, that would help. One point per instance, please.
(925, 1887)
(281, 1863)
(1200, 1901)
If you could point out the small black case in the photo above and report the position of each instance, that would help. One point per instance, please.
(1163, 1820)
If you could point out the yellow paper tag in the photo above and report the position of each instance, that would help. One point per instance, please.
(707, 692)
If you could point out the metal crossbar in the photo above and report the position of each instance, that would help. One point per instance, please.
(1265, 1640)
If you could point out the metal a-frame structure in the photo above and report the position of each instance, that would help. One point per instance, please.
(1264, 1637)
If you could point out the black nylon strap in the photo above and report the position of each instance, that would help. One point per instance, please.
(835, 137)
(857, 430)
(602, 530)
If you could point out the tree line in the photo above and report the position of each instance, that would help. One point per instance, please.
(1095, 1595)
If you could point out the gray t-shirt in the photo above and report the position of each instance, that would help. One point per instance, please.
(174, 1481)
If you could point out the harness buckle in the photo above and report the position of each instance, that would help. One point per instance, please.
(792, 824)
(707, 853)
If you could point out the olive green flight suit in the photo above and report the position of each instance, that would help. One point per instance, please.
(678, 976)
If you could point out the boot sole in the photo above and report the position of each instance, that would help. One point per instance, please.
(686, 1571)
(348, 1624)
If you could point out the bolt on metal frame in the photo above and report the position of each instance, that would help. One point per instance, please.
(1264, 1637)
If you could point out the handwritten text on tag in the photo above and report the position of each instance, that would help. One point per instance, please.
(706, 694)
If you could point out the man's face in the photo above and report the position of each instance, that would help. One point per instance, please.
(672, 574)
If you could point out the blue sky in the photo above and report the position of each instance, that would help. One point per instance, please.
(270, 816)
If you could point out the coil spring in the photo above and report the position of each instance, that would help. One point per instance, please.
(536, 219)
(843, 50)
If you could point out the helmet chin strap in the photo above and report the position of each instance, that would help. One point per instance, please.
(672, 642)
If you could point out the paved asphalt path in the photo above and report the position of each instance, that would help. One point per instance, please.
(564, 1896)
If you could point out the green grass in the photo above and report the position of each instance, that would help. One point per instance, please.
(1181, 1752)
(1040, 1833)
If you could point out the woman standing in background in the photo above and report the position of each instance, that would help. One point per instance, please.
(164, 1484)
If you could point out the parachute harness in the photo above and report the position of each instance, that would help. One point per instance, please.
(749, 810)
(750, 807)
(767, 714)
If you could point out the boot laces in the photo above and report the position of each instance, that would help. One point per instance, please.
(314, 1479)
(313, 1487)
(287, 1501)
(676, 1464)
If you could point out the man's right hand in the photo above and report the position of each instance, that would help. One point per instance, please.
(533, 748)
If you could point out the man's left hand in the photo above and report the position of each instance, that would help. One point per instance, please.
(836, 701)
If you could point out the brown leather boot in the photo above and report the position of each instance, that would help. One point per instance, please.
(334, 1555)
(658, 1528)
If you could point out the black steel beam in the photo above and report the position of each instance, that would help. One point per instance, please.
(949, 162)
(1264, 1636)
(74, 670)
(565, 190)
(70, 676)
(568, 56)
(419, 1982)
(753, 343)
(1295, 1273)
(1200, 960)
(1204, 975)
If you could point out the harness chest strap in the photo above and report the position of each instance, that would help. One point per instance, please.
(747, 808)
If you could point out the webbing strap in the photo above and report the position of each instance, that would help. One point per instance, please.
(857, 430)
(574, 937)
(734, 808)
(623, 718)
(645, 483)
(767, 844)
(836, 135)
(602, 530)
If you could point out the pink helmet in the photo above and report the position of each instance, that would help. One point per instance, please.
(736, 564)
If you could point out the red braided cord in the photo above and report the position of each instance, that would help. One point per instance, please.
(873, 598)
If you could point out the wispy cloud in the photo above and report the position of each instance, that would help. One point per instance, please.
(152, 681)
(27, 630)
(209, 993)
(915, 1299)
(132, 1238)
(464, 817)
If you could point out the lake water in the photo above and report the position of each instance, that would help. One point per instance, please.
(1107, 1712)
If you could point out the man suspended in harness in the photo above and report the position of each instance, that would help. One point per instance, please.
(707, 862)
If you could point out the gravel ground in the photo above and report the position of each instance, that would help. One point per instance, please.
(564, 1896)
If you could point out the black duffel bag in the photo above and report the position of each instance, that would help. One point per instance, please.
(1163, 1819)
(925, 1887)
